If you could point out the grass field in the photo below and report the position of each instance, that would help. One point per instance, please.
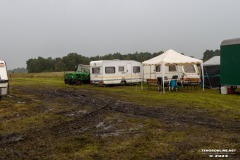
(43, 118)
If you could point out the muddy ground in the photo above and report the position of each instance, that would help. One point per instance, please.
(98, 118)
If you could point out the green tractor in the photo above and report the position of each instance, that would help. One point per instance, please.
(82, 75)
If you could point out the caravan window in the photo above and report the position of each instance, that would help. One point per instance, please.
(158, 68)
(136, 69)
(189, 69)
(2, 65)
(109, 70)
(172, 69)
(96, 70)
(121, 69)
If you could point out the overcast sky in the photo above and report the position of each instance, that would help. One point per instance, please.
(54, 28)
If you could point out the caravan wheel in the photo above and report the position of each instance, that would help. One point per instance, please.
(123, 83)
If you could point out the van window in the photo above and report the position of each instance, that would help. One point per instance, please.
(136, 69)
(158, 69)
(109, 70)
(96, 70)
(189, 69)
(172, 69)
(120, 69)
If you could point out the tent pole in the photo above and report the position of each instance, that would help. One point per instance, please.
(155, 73)
(177, 70)
(163, 70)
(142, 77)
(204, 67)
(151, 72)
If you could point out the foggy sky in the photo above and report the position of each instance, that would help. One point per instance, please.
(54, 28)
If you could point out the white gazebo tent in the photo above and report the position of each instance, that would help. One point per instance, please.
(172, 57)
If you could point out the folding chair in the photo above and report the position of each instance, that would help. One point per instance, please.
(160, 84)
(173, 83)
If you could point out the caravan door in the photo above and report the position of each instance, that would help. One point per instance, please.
(129, 73)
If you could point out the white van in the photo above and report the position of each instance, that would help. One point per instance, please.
(3, 79)
(183, 71)
(115, 72)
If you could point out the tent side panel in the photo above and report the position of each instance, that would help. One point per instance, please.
(212, 76)
(230, 65)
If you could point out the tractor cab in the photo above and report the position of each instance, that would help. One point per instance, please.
(83, 68)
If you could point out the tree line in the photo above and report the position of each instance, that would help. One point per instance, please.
(209, 54)
(69, 62)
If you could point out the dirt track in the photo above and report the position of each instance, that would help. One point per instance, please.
(88, 109)
(98, 105)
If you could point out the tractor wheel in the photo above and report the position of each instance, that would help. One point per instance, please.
(79, 82)
(66, 81)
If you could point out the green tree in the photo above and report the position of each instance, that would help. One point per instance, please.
(210, 53)
(35, 65)
(73, 59)
(59, 65)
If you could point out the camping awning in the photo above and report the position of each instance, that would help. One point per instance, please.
(172, 57)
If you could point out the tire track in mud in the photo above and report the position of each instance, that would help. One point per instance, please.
(169, 114)
(173, 115)
(101, 105)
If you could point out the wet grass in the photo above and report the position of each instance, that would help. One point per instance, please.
(38, 126)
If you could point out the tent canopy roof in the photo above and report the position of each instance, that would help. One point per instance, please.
(212, 61)
(172, 57)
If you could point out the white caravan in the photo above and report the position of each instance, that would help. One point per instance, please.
(183, 71)
(115, 72)
(3, 79)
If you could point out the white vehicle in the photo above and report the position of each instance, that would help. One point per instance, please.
(3, 79)
(115, 72)
(185, 71)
